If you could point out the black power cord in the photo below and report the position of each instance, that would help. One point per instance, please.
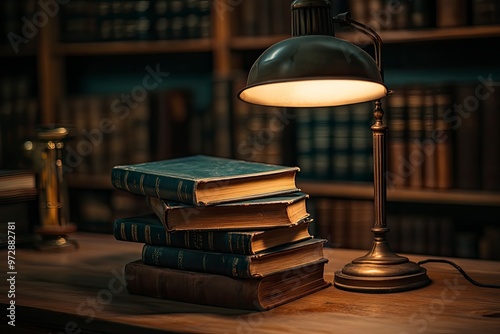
(464, 274)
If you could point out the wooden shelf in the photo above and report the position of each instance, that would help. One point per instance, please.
(255, 43)
(388, 36)
(133, 47)
(364, 191)
(433, 34)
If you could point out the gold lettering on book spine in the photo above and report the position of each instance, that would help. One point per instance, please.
(125, 181)
(230, 241)
(168, 238)
(122, 231)
(141, 184)
(156, 257)
(197, 240)
(134, 232)
(180, 260)
(234, 269)
(179, 191)
(157, 187)
(117, 180)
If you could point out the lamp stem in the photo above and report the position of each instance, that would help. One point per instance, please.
(380, 270)
(379, 167)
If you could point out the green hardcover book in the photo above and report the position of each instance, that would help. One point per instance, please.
(259, 213)
(203, 180)
(235, 265)
(149, 229)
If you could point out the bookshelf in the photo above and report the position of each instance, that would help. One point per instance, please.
(364, 191)
(226, 54)
(132, 47)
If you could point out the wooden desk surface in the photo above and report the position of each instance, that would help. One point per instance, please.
(81, 290)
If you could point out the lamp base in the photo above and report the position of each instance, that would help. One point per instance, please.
(60, 243)
(381, 271)
(381, 284)
(54, 238)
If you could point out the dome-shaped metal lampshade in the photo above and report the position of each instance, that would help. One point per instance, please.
(313, 71)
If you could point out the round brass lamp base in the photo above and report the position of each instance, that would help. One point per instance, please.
(54, 243)
(380, 284)
(54, 238)
(381, 271)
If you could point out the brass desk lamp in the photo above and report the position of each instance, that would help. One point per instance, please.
(315, 69)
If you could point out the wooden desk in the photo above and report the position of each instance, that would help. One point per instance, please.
(67, 292)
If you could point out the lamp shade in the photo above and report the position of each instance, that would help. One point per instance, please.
(313, 71)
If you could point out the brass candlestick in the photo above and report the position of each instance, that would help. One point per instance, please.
(52, 190)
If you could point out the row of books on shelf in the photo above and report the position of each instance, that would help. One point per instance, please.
(112, 129)
(221, 232)
(439, 137)
(435, 140)
(14, 15)
(260, 134)
(18, 119)
(347, 224)
(106, 132)
(260, 17)
(335, 143)
(443, 137)
(114, 20)
(420, 14)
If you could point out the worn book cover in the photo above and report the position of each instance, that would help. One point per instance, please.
(235, 265)
(260, 213)
(204, 180)
(222, 291)
(149, 229)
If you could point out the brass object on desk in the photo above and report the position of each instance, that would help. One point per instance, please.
(52, 190)
(311, 69)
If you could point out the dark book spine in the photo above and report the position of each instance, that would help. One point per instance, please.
(222, 112)
(490, 141)
(451, 13)
(341, 140)
(485, 12)
(280, 20)
(234, 243)
(467, 142)
(397, 175)
(138, 232)
(416, 156)
(429, 146)
(231, 265)
(166, 187)
(191, 287)
(423, 13)
(361, 142)
(304, 143)
(444, 143)
(321, 142)
(359, 11)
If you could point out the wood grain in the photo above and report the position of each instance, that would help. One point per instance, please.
(82, 290)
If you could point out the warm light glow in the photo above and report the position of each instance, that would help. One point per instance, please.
(314, 93)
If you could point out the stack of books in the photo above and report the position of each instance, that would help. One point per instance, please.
(222, 232)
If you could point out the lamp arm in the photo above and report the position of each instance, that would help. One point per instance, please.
(344, 19)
